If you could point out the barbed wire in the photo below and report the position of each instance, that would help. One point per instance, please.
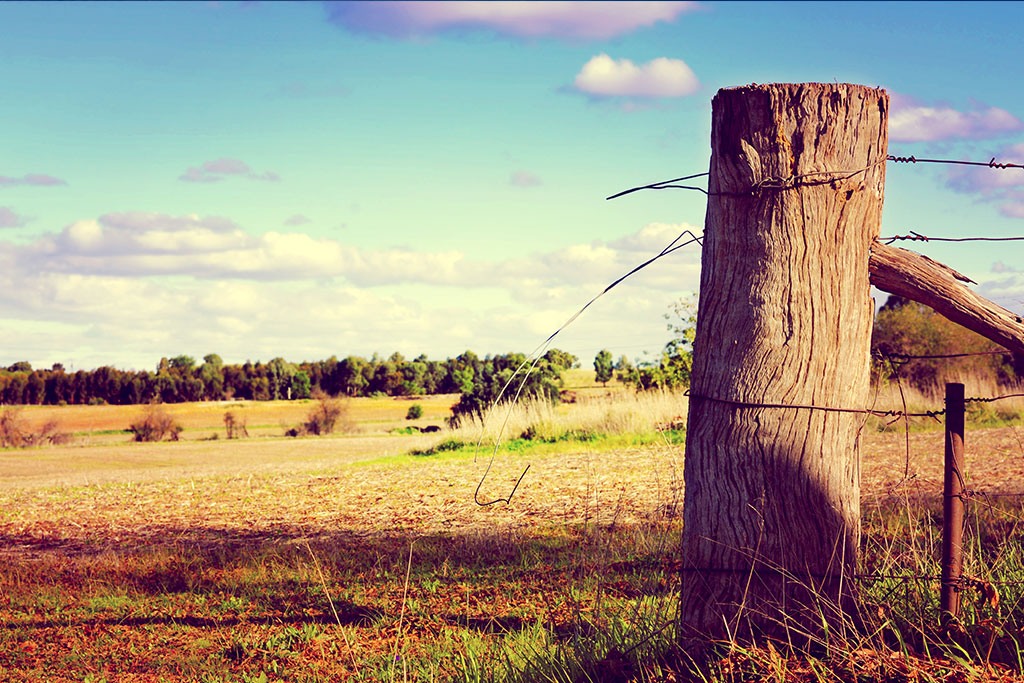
(918, 237)
(895, 360)
(808, 179)
(807, 406)
(991, 163)
(903, 358)
(789, 182)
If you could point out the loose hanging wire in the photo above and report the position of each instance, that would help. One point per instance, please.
(537, 354)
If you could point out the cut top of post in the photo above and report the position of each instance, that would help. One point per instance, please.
(845, 145)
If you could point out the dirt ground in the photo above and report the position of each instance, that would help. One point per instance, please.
(81, 499)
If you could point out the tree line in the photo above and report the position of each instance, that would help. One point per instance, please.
(183, 379)
(903, 332)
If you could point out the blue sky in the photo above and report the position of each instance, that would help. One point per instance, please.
(314, 179)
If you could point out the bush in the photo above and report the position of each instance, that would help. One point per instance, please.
(14, 433)
(328, 415)
(415, 412)
(445, 446)
(234, 426)
(156, 425)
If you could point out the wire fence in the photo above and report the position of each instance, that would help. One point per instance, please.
(982, 501)
(983, 504)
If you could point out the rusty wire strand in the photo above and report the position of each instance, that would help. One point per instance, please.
(918, 237)
(828, 409)
(792, 181)
(664, 185)
(903, 358)
(808, 179)
(991, 163)
(535, 356)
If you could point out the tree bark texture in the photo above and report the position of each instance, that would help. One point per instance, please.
(772, 510)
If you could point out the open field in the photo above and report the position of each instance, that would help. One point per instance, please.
(345, 558)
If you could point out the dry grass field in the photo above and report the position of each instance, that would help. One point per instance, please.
(343, 557)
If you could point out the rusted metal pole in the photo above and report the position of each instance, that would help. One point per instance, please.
(953, 505)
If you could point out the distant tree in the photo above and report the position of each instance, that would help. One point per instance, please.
(534, 380)
(211, 374)
(625, 371)
(562, 360)
(415, 412)
(182, 364)
(20, 366)
(300, 386)
(603, 366)
(671, 370)
(279, 377)
(905, 327)
(350, 377)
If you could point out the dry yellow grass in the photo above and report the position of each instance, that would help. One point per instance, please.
(265, 418)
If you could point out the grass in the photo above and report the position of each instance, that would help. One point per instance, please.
(347, 558)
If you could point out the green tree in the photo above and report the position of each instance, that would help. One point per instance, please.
(603, 366)
(671, 370)
(514, 374)
(211, 373)
(906, 328)
(182, 364)
(279, 375)
(301, 385)
(563, 360)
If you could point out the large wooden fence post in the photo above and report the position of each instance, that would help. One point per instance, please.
(772, 511)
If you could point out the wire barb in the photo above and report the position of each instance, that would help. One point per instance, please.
(991, 163)
(918, 237)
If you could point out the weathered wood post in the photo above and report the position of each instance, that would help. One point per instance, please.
(772, 510)
(953, 506)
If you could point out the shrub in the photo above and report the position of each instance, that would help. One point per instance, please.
(156, 424)
(12, 431)
(329, 414)
(445, 446)
(15, 434)
(415, 412)
(234, 426)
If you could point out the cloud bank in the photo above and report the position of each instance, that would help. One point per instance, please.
(911, 121)
(126, 288)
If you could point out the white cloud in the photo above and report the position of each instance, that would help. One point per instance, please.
(911, 121)
(572, 20)
(603, 76)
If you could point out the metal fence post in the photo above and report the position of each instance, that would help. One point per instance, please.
(953, 505)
